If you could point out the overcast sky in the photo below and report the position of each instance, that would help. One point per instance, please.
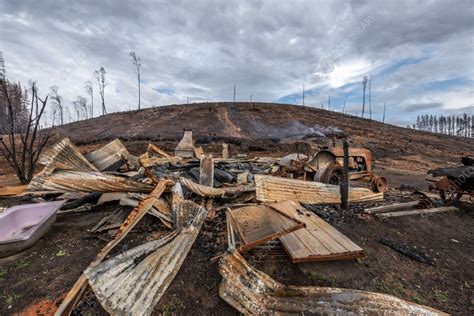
(420, 54)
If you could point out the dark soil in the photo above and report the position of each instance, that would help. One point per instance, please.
(47, 270)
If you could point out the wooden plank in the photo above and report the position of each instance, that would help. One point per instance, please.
(417, 212)
(206, 171)
(318, 241)
(315, 224)
(391, 207)
(303, 244)
(158, 151)
(259, 224)
(13, 190)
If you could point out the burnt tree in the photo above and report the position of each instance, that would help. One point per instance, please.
(23, 142)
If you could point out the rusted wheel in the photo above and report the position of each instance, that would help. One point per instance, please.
(331, 174)
(379, 184)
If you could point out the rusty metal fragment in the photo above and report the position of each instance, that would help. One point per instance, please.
(205, 191)
(134, 281)
(276, 189)
(66, 156)
(72, 180)
(109, 157)
(253, 292)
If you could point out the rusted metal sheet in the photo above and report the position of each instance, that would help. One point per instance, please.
(185, 148)
(206, 171)
(67, 170)
(109, 157)
(205, 191)
(76, 292)
(66, 156)
(276, 189)
(72, 180)
(134, 281)
(253, 292)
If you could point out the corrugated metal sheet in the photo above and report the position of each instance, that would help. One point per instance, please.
(109, 157)
(67, 170)
(66, 156)
(205, 191)
(71, 181)
(277, 189)
(75, 294)
(134, 281)
(253, 292)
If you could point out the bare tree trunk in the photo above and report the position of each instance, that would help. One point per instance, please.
(139, 93)
(24, 146)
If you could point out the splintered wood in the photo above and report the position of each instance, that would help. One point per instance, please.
(276, 189)
(206, 171)
(318, 241)
(256, 225)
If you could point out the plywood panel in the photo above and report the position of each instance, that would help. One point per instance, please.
(259, 224)
(318, 240)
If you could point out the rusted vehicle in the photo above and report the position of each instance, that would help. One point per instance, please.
(454, 182)
(327, 167)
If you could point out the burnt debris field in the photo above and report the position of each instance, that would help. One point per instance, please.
(225, 208)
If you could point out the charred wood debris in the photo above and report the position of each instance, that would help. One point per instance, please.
(261, 201)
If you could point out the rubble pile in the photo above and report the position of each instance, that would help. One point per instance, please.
(265, 200)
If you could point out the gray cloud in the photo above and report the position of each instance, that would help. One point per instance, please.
(422, 106)
(199, 49)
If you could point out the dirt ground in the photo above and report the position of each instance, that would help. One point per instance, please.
(35, 281)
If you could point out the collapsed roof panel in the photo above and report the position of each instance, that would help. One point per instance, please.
(276, 189)
(109, 157)
(66, 156)
(134, 281)
(71, 181)
(253, 292)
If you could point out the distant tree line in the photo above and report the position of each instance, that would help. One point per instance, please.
(57, 112)
(462, 125)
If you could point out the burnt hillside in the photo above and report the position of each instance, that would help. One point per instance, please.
(262, 121)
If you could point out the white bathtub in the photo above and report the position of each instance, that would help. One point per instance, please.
(21, 226)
